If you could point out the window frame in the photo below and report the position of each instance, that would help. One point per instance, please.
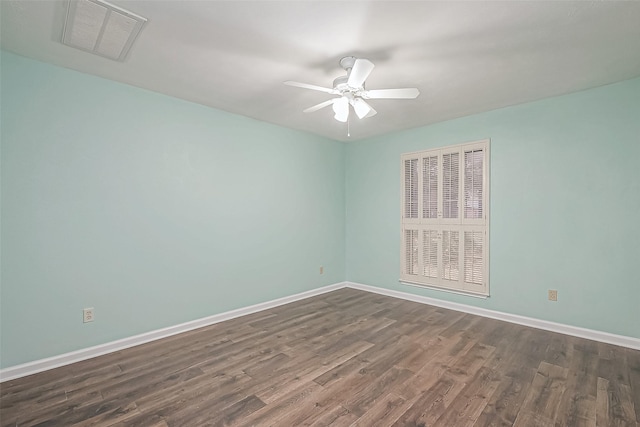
(442, 225)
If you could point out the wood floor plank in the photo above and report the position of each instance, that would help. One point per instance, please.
(546, 389)
(619, 404)
(292, 376)
(463, 323)
(204, 399)
(357, 390)
(384, 412)
(337, 417)
(149, 382)
(224, 417)
(527, 418)
(578, 403)
(503, 406)
(167, 400)
(431, 404)
(54, 384)
(149, 422)
(361, 402)
(466, 366)
(634, 378)
(431, 372)
(602, 403)
(559, 350)
(286, 408)
(473, 398)
(342, 358)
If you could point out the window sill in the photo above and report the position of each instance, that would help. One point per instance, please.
(451, 291)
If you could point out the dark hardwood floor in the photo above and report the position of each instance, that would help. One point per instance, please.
(343, 358)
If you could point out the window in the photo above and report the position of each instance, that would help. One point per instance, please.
(445, 218)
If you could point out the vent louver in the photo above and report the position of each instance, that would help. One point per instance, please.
(98, 27)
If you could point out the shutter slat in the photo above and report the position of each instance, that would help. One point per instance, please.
(430, 187)
(411, 251)
(450, 255)
(451, 181)
(430, 253)
(411, 188)
(473, 257)
(473, 173)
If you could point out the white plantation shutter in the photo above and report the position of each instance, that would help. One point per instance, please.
(430, 187)
(411, 188)
(411, 252)
(445, 218)
(451, 184)
(473, 257)
(430, 253)
(473, 182)
(451, 255)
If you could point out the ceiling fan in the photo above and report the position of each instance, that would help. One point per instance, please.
(351, 91)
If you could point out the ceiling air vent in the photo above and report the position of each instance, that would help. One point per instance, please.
(98, 27)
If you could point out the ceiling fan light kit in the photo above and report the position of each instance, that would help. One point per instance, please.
(341, 108)
(351, 91)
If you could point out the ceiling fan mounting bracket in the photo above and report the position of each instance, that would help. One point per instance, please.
(347, 63)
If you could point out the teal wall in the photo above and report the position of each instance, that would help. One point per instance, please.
(157, 211)
(565, 207)
(152, 210)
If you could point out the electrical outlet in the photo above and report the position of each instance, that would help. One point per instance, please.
(553, 295)
(321, 270)
(87, 315)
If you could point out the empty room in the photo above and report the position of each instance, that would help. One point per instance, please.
(345, 213)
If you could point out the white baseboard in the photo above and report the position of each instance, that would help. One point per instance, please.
(575, 331)
(36, 366)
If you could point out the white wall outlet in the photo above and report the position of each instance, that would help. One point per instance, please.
(553, 295)
(87, 315)
(321, 270)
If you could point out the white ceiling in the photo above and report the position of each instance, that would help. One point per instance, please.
(465, 57)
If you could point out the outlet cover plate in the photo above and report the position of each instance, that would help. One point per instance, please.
(87, 315)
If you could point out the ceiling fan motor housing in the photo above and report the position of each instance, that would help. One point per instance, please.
(340, 84)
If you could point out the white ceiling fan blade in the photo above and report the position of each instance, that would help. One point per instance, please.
(404, 93)
(359, 73)
(312, 87)
(361, 108)
(319, 106)
(341, 108)
(371, 113)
